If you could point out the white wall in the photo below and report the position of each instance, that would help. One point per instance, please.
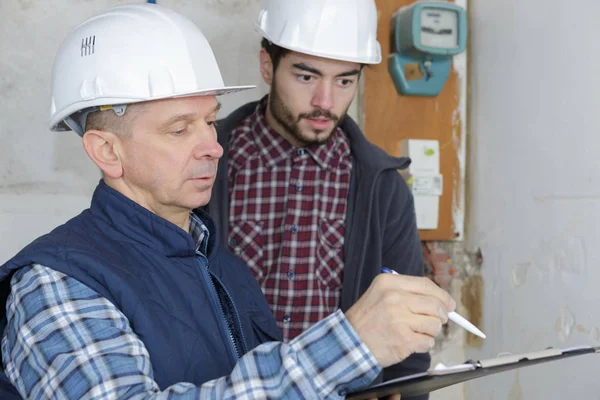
(535, 189)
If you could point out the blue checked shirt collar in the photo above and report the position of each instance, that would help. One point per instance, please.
(200, 234)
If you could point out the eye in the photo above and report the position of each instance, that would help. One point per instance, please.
(212, 123)
(304, 78)
(345, 82)
(180, 132)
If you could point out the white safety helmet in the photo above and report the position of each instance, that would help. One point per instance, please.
(130, 54)
(338, 29)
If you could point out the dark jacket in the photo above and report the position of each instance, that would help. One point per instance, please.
(147, 267)
(380, 227)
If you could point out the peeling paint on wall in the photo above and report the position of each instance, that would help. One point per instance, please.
(459, 135)
(519, 274)
(516, 392)
(472, 300)
(564, 324)
(596, 334)
(558, 258)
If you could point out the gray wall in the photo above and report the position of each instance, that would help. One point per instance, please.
(535, 189)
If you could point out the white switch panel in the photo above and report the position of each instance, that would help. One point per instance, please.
(424, 179)
(425, 155)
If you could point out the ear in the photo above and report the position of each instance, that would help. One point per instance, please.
(103, 149)
(266, 66)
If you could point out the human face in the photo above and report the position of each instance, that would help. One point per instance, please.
(310, 96)
(170, 158)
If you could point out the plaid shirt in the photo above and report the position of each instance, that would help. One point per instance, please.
(65, 341)
(286, 218)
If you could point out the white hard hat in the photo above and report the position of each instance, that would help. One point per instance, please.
(130, 54)
(338, 29)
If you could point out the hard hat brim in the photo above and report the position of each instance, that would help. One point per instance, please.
(56, 122)
(376, 59)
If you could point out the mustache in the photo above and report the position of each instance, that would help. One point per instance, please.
(319, 113)
(204, 170)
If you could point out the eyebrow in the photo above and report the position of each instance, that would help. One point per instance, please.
(188, 116)
(307, 68)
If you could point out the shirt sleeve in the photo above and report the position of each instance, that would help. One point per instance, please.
(63, 340)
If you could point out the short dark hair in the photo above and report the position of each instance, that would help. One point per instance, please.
(274, 51)
(108, 120)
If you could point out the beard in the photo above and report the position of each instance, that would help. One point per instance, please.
(285, 117)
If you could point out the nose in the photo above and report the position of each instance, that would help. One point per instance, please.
(323, 96)
(207, 145)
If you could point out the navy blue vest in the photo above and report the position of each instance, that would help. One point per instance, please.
(186, 311)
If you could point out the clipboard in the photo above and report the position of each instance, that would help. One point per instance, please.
(438, 378)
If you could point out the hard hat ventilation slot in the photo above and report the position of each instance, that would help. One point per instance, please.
(88, 46)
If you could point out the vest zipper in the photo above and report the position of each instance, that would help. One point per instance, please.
(237, 318)
(232, 346)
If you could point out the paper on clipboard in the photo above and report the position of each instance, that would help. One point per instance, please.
(442, 369)
(442, 376)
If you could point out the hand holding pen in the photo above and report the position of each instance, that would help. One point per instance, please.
(452, 316)
(399, 315)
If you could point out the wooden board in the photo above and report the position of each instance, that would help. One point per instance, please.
(390, 118)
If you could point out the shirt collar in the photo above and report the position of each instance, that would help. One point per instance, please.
(199, 233)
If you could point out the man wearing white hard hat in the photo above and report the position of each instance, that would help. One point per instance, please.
(313, 207)
(135, 297)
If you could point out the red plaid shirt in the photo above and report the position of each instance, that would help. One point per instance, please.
(286, 218)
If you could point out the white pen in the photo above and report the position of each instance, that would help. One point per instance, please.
(452, 316)
(462, 321)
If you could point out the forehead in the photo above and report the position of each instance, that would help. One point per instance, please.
(326, 65)
(158, 114)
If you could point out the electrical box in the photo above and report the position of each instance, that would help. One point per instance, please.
(424, 179)
(425, 36)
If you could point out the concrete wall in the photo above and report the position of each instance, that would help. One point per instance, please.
(535, 190)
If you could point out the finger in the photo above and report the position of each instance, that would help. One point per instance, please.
(422, 286)
(422, 343)
(429, 326)
(427, 305)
